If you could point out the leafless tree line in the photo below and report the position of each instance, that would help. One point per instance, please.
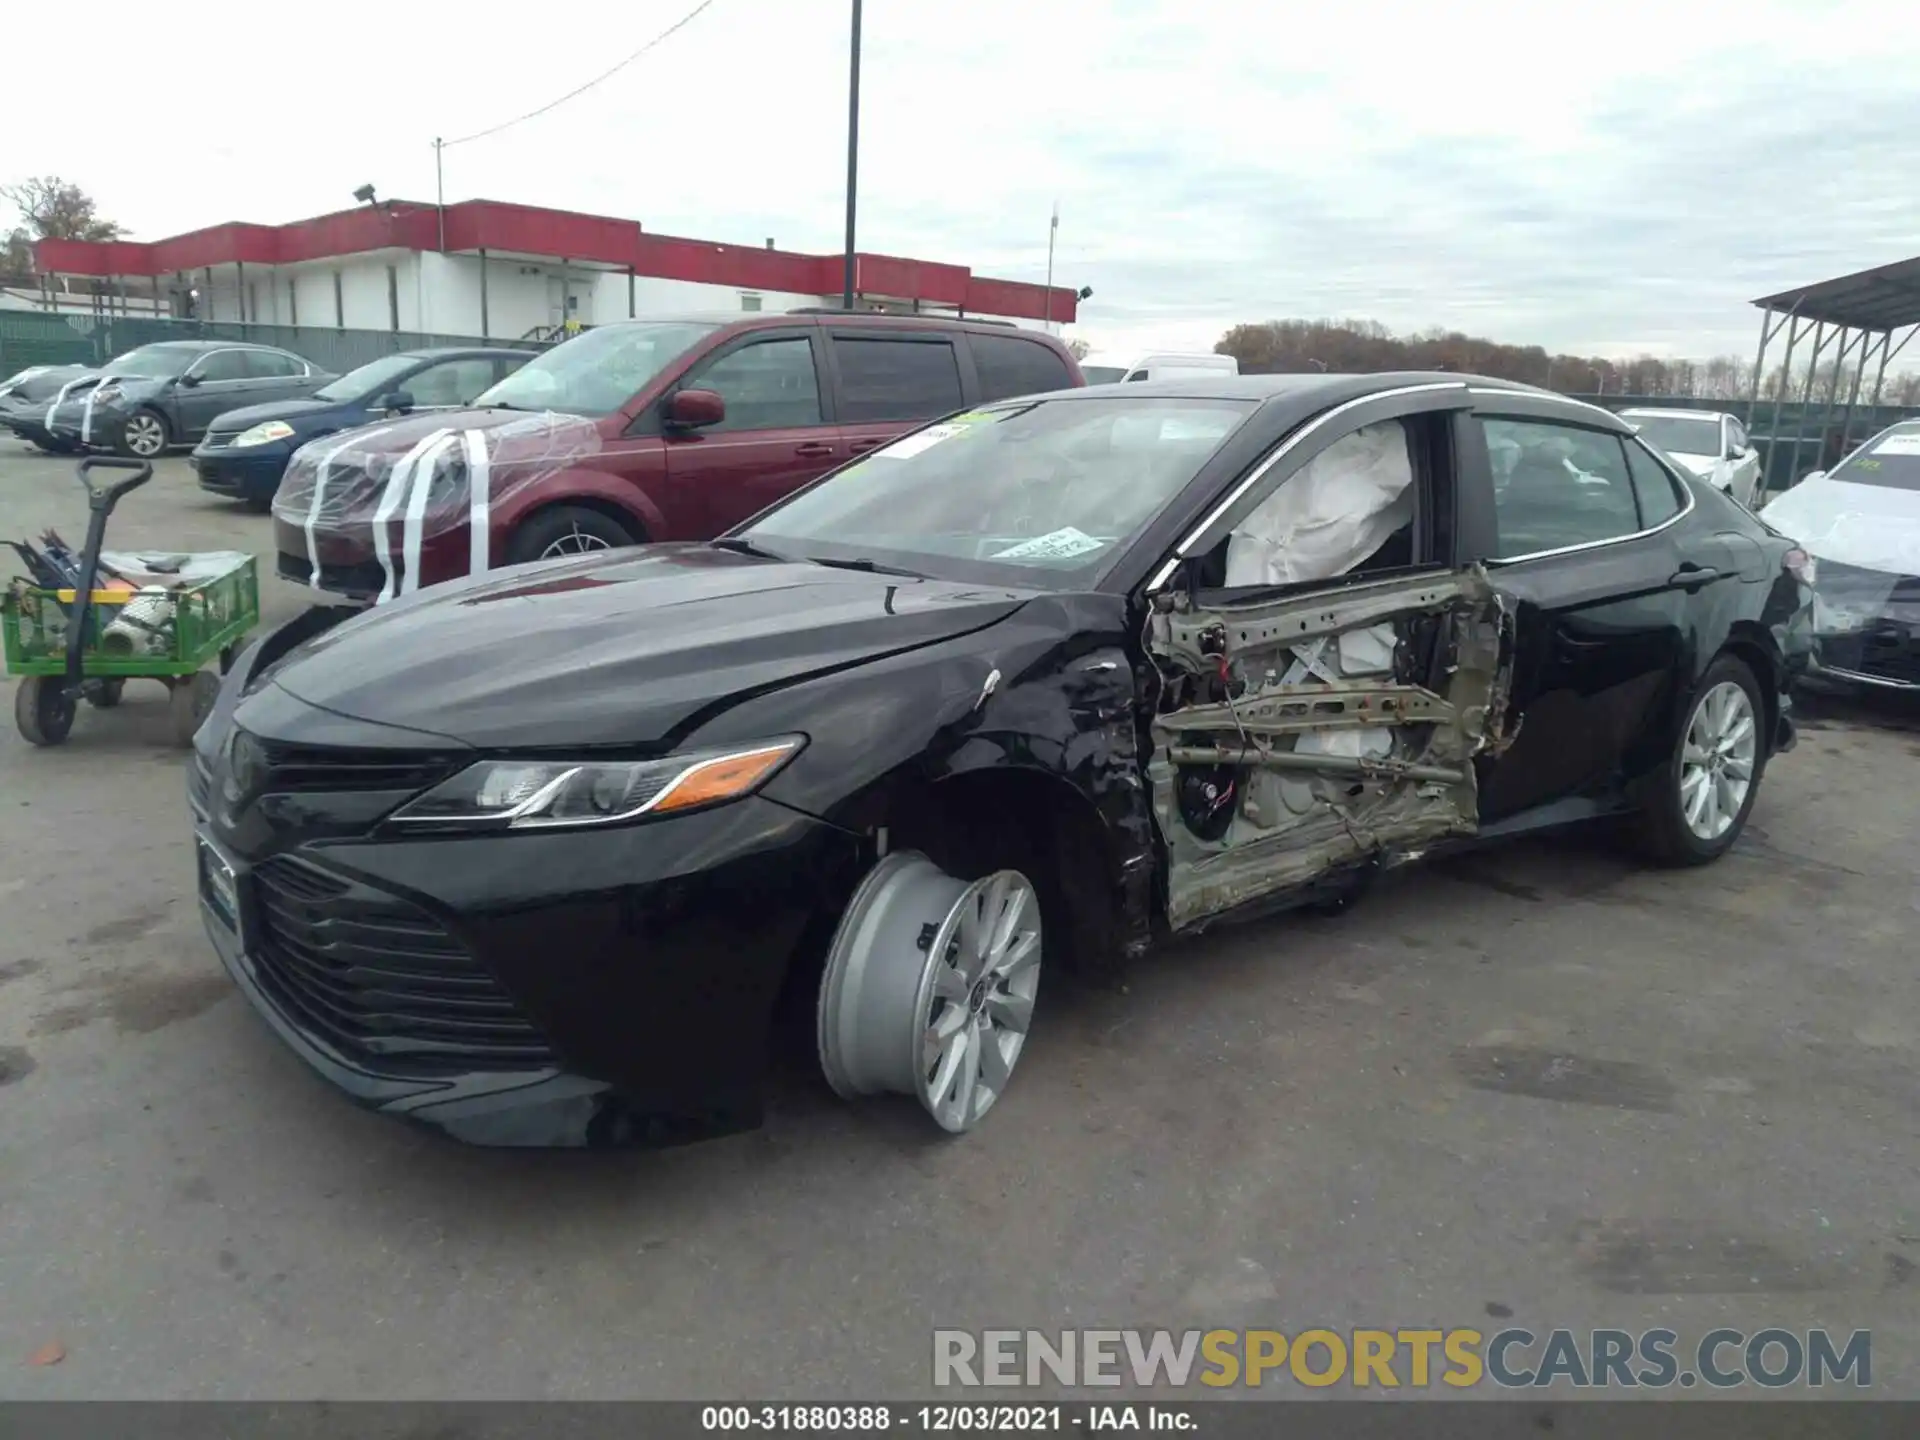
(1362, 346)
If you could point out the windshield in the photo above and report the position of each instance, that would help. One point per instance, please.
(596, 372)
(370, 380)
(1044, 492)
(1891, 461)
(153, 362)
(1679, 434)
(1103, 374)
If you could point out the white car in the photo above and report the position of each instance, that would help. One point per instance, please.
(1709, 443)
(1113, 367)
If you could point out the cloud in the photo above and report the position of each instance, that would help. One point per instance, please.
(1600, 181)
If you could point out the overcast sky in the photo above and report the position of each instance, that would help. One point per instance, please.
(1604, 178)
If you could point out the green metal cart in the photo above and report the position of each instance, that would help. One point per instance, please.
(69, 644)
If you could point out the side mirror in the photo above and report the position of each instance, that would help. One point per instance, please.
(189, 380)
(695, 409)
(398, 403)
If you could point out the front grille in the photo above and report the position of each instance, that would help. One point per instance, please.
(310, 769)
(220, 439)
(199, 783)
(380, 980)
(362, 580)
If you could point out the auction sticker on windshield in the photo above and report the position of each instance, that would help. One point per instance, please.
(908, 446)
(1907, 442)
(1060, 545)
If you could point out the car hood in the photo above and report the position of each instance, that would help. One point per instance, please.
(295, 412)
(45, 382)
(1870, 527)
(630, 648)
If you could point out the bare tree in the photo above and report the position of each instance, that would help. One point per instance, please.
(50, 209)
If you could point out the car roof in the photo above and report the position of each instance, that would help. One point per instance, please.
(809, 315)
(454, 352)
(210, 345)
(1687, 411)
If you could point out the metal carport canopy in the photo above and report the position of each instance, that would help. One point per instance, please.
(1860, 311)
(1884, 298)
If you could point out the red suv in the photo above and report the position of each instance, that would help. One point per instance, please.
(642, 430)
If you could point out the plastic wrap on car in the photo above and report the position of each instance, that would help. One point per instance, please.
(449, 477)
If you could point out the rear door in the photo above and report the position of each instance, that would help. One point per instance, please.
(276, 375)
(776, 437)
(1305, 725)
(888, 381)
(1582, 535)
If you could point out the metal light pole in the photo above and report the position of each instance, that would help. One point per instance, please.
(1053, 229)
(853, 154)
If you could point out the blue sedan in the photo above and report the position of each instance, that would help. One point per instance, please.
(246, 451)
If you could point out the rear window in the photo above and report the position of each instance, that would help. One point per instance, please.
(1103, 374)
(1892, 460)
(1010, 366)
(894, 378)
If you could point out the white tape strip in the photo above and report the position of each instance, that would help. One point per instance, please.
(58, 401)
(390, 501)
(320, 474)
(410, 535)
(86, 417)
(479, 504)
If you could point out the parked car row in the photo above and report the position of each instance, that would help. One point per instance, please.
(541, 857)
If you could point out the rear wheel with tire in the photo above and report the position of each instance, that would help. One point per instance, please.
(43, 709)
(189, 700)
(145, 435)
(1700, 801)
(566, 530)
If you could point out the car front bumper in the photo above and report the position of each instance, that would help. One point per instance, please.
(569, 988)
(248, 473)
(1884, 656)
(351, 564)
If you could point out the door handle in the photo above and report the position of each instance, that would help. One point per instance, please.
(861, 447)
(813, 447)
(1691, 577)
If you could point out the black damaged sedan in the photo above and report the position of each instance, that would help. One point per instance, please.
(536, 857)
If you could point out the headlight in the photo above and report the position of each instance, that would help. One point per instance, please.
(101, 394)
(265, 434)
(532, 794)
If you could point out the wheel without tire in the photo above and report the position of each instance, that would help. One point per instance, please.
(189, 700)
(145, 435)
(105, 694)
(1700, 801)
(43, 710)
(929, 987)
(566, 530)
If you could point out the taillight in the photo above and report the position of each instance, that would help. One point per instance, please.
(1802, 566)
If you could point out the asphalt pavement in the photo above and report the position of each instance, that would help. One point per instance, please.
(1538, 1086)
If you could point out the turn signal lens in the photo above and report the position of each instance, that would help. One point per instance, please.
(1802, 566)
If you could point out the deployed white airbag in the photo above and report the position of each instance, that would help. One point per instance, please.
(1332, 514)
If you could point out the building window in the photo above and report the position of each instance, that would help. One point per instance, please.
(339, 304)
(393, 297)
(293, 301)
(253, 301)
(749, 301)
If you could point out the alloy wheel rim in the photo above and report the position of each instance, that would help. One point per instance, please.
(575, 542)
(929, 987)
(1717, 760)
(976, 1000)
(143, 435)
